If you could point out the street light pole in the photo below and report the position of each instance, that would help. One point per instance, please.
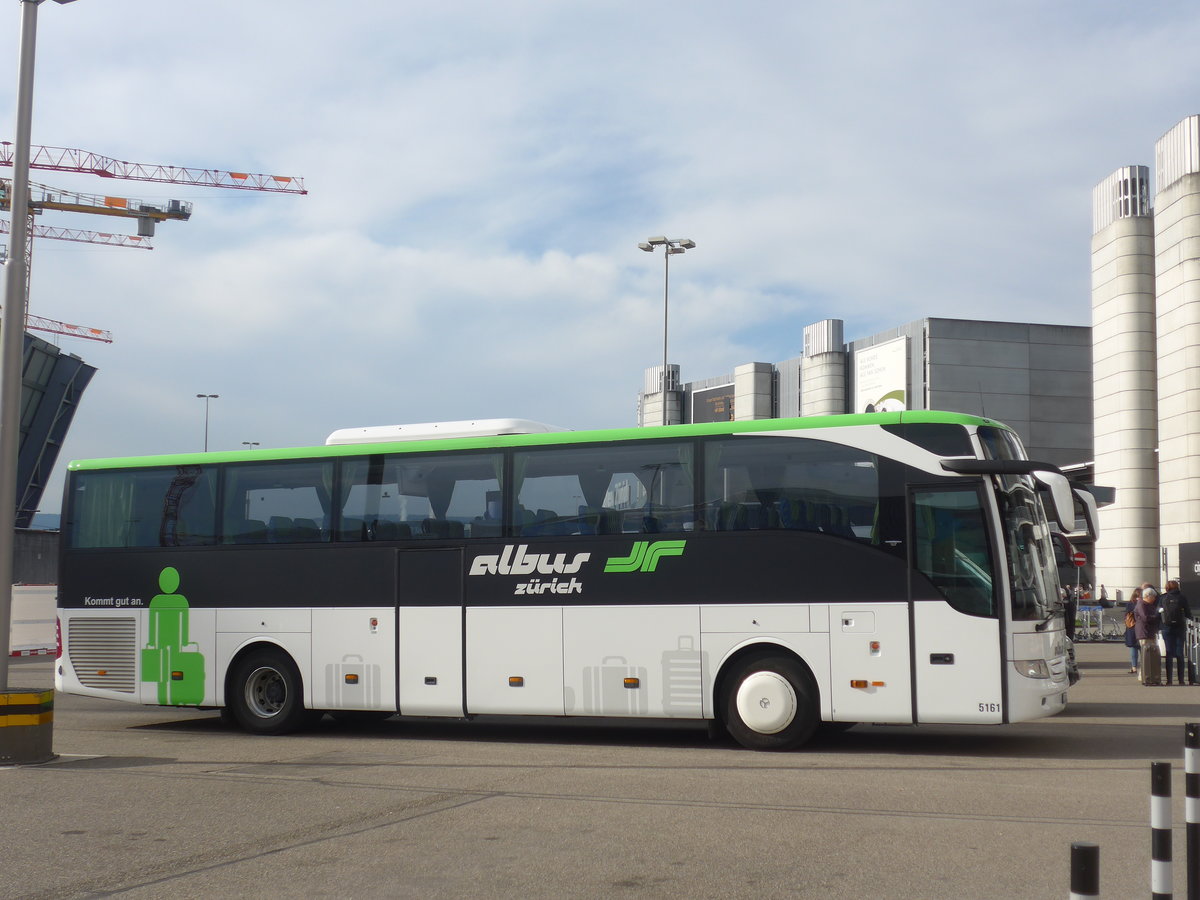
(12, 325)
(670, 247)
(206, 398)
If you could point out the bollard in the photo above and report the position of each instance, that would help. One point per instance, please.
(1160, 831)
(1085, 871)
(1191, 778)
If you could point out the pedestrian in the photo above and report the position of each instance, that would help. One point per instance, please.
(1146, 627)
(1070, 611)
(1130, 636)
(1174, 609)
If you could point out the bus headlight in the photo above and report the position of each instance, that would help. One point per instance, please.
(1032, 668)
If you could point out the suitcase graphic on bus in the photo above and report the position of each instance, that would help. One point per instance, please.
(682, 683)
(351, 684)
(605, 692)
(179, 672)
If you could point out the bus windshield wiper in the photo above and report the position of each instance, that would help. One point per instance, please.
(1054, 611)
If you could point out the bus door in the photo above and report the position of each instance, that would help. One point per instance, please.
(429, 618)
(955, 597)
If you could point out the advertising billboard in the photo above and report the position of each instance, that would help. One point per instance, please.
(881, 377)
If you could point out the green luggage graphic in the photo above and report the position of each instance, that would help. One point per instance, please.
(169, 658)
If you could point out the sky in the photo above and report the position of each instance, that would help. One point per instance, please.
(479, 175)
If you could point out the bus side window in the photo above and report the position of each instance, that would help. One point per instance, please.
(644, 488)
(794, 484)
(265, 501)
(417, 496)
(167, 507)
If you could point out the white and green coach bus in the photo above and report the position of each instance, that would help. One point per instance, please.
(771, 575)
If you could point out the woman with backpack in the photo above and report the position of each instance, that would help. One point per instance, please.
(1130, 637)
(1174, 610)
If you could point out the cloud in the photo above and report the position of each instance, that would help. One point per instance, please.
(479, 175)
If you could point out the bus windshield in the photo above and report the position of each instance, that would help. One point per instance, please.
(1031, 566)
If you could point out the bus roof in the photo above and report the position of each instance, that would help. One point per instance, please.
(550, 438)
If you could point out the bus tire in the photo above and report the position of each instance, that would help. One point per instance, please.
(770, 703)
(266, 695)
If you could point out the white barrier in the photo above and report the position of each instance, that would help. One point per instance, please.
(34, 611)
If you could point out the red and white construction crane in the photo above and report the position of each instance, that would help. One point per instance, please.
(62, 159)
(42, 197)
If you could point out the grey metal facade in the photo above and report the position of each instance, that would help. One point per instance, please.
(1035, 378)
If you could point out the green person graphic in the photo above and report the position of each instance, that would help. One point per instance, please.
(169, 658)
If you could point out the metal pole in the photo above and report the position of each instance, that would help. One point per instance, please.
(206, 398)
(12, 328)
(1160, 831)
(1191, 768)
(666, 294)
(1085, 871)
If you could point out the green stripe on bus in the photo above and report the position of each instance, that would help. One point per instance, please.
(545, 439)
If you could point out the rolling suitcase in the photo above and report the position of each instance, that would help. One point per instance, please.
(683, 688)
(605, 692)
(351, 684)
(1150, 664)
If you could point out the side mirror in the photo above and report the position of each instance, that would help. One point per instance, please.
(1090, 511)
(1062, 501)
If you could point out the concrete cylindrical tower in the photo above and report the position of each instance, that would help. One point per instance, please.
(753, 391)
(823, 370)
(1124, 378)
(657, 392)
(1177, 275)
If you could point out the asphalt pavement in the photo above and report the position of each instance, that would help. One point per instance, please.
(156, 803)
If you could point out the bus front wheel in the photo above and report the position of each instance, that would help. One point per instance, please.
(770, 703)
(266, 695)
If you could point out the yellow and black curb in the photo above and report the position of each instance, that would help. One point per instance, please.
(26, 726)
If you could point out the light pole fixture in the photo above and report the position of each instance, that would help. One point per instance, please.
(250, 444)
(206, 398)
(670, 247)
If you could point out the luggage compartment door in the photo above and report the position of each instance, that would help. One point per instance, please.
(429, 641)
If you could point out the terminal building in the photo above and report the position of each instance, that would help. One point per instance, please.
(1146, 331)
(1035, 378)
(1118, 401)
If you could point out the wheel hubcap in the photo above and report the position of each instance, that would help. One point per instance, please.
(266, 692)
(766, 702)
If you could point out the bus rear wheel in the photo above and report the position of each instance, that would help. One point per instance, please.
(266, 695)
(770, 703)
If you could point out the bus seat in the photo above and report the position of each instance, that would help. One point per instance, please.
(442, 528)
(792, 513)
(731, 517)
(280, 530)
(543, 522)
(352, 530)
(481, 527)
(306, 530)
(387, 530)
(247, 531)
(599, 520)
